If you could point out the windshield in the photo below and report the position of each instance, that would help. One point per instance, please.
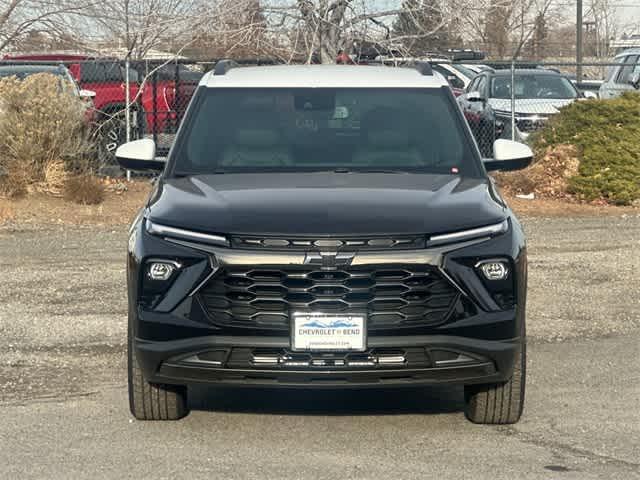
(322, 129)
(533, 86)
(464, 70)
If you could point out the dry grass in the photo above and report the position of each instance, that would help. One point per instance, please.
(42, 135)
(84, 189)
(548, 177)
(6, 213)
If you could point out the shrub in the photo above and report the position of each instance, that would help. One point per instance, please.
(84, 189)
(43, 136)
(607, 136)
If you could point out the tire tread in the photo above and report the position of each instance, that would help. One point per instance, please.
(498, 403)
(151, 401)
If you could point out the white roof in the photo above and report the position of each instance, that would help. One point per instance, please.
(322, 76)
(629, 51)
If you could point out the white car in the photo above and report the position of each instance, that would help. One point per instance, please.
(620, 77)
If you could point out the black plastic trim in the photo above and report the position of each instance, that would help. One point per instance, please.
(223, 66)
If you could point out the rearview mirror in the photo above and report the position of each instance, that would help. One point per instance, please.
(509, 155)
(474, 97)
(635, 80)
(139, 155)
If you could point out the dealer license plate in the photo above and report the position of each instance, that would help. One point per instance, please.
(322, 331)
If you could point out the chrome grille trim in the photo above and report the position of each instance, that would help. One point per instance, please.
(237, 257)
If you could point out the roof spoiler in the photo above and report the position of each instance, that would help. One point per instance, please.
(223, 66)
(424, 68)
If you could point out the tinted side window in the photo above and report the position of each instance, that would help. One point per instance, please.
(482, 85)
(625, 72)
(98, 72)
(473, 85)
(91, 72)
(112, 72)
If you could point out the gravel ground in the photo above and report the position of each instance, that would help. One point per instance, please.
(63, 380)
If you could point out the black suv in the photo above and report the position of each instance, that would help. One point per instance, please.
(326, 226)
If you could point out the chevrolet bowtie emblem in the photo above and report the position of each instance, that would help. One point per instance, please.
(329, 260)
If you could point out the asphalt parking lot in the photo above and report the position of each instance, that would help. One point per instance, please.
(64, 412)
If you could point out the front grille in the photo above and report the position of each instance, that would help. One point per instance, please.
(528, 125)
(412, 296)
(350, 244)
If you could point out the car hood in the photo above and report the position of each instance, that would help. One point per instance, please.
(324, 204)
(530, 106)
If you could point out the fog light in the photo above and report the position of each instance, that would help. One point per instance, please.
(161, 271)
(494, 270)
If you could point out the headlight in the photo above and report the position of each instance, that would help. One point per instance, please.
(463, 235)
(182, 234)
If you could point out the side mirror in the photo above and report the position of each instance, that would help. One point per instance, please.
(590, 94)
(474, 97)
(87, 94)
(139, 155)
(509, 155)
(635, 80)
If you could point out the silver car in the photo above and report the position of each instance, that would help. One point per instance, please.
(620, 78)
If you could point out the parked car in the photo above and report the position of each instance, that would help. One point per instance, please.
(158, 108)
(539, 94)
(173, 84)
(619, 77)
(67, 82)
(106, 77)
(458, 75)
(325, 226)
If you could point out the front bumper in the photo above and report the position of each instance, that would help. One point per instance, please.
(189, 361)
(170, 336)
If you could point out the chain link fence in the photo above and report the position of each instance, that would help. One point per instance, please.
(513, 100)
(125, 100)
(148, 99)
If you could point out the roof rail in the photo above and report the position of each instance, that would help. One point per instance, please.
(223, 66)
(424, 68)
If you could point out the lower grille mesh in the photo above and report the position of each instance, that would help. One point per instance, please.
(264, 298)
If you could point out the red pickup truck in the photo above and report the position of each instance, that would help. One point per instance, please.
(158, 105)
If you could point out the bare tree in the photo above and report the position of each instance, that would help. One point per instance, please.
(321, 28)
(19, 18)
(503, 27)
(603, 15)
(139, 26)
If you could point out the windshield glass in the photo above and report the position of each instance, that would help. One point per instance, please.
(323, 129)
(464, 70)
(533, 86)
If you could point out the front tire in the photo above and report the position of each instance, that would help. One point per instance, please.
(498, 403)
(151, 401)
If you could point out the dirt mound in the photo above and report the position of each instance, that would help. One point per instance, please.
(547, 178)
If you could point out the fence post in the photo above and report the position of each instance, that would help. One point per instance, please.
(154, 92)
(127, 107)
(176, 97)
(513, 100)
